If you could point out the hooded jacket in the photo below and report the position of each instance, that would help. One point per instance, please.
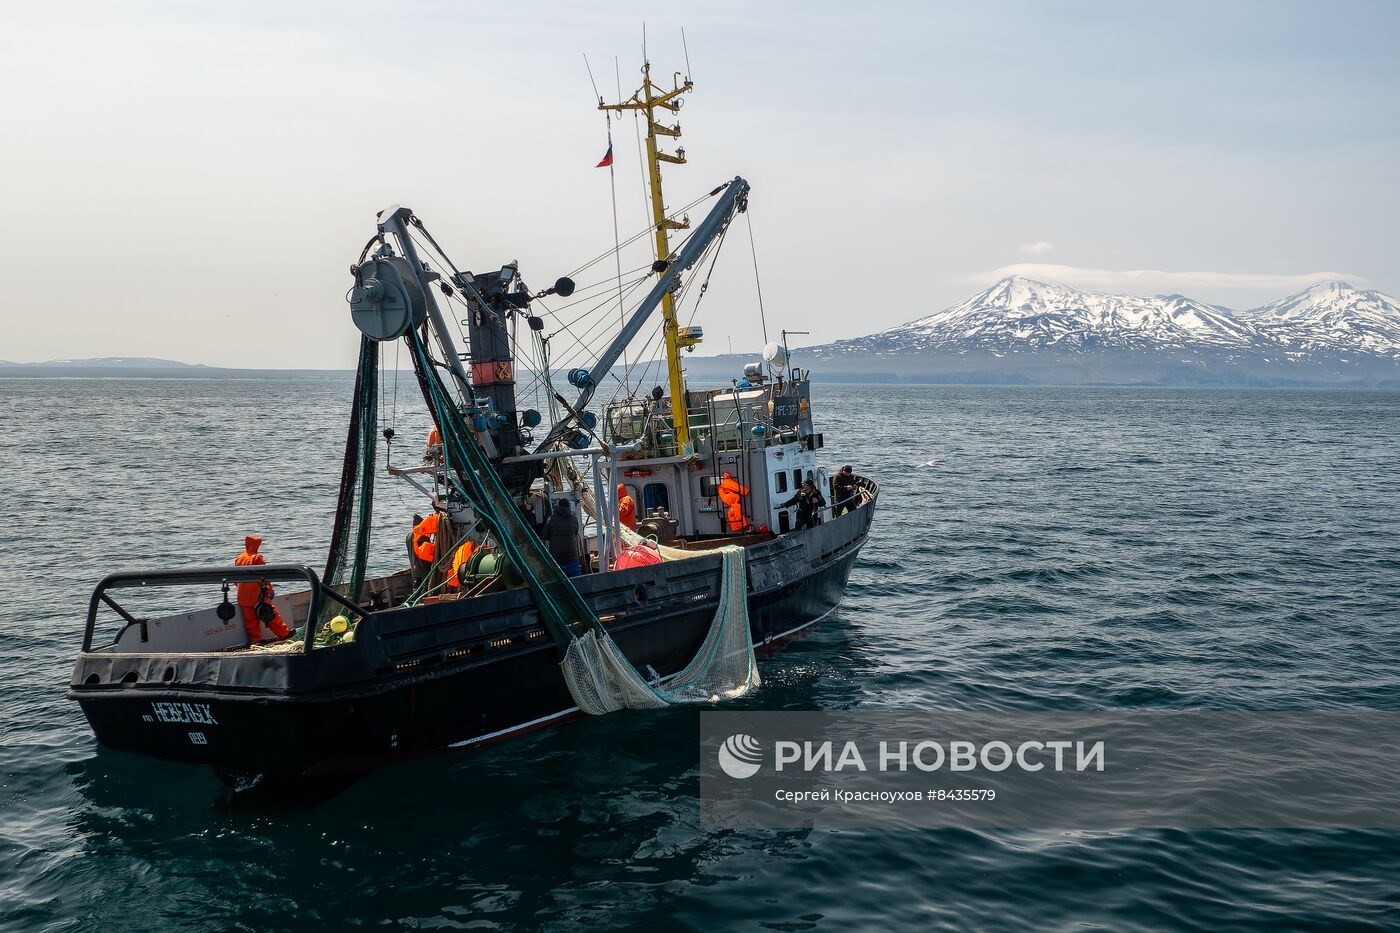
(626, 508)
(731, 493)
(425, 538)
(248, 592)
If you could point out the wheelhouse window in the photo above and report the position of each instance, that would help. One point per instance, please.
(780, 482)
(656, 496)
(626, 422)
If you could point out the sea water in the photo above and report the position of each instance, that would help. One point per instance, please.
(1034, 549)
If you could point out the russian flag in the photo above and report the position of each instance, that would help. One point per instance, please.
(607, 159)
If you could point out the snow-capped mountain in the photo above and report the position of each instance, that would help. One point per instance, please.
(1025, 330)
(1018, 313)
(1021, 314)
(1331, 316)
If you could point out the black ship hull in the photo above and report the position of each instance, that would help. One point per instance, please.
(431, 678)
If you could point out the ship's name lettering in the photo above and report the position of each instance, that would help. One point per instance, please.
(184, 713)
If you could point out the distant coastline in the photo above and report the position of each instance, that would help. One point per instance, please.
(700, 369)
(180, 371)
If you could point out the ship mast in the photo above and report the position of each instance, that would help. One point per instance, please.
(646, 100)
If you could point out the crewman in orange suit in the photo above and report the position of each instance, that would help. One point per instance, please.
(626, 508)
(248, 594)
(425, 538)
(731, 493)
(463, 554)
(422, 544)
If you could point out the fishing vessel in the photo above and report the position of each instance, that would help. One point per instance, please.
(490, 632)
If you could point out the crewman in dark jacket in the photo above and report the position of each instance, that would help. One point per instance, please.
(809, 504)
(843, 491)
(562, 538)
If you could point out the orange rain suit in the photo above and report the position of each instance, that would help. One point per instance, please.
(425, 538)
(248, 594)
(731, 493)
(626, 508)
(463, 554)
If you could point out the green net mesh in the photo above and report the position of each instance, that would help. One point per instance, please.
(350, 535)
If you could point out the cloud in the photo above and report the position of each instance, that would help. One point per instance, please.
(1156, 279)
(1037, 248)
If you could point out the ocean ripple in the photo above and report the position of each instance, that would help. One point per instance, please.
(1035, 549)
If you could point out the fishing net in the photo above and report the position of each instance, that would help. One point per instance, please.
(601, 678)
(345, 571)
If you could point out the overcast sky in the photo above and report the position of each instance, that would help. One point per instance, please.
(192, 180)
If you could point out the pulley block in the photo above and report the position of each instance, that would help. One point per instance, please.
(386, 301)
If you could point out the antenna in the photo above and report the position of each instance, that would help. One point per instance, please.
(688, 73)
(787, 356)
(590, 77)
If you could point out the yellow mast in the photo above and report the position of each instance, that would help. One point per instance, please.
(646, 100)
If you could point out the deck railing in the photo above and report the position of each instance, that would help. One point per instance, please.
(197, 575)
